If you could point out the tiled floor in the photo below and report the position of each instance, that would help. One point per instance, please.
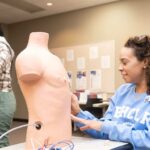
(18, 136)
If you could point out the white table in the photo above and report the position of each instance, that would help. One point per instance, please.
(81, 143)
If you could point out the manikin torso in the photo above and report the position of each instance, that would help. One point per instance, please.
(44, 84)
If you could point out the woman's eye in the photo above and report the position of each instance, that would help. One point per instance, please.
(124, 63)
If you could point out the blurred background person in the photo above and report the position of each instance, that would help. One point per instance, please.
(7, 98)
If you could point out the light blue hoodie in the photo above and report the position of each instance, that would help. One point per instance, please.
(127, 118)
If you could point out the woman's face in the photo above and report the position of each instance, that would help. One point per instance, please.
(132, 70)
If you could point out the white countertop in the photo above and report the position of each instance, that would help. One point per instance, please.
(81, 143)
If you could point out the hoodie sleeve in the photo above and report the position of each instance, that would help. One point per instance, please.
(87, 115)
(123, 132)
(93, 133)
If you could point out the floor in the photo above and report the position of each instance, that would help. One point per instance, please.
(18, 136)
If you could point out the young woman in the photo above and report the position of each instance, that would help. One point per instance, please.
(128, 116)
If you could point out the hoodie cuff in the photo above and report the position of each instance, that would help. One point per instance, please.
(85, 115)
(106, 127)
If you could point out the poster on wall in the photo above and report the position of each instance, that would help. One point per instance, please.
(80, 63)
(93, 52)
(81, 80)
(105, 62)
(95, 79)
(63, 61)
(70, 55)
(70, 78)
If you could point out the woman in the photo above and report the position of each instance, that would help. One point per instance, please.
(7, 98)
(128, 116)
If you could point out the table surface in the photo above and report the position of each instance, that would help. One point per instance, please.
(81, 143)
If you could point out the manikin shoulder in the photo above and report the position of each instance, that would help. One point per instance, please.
(28, 66)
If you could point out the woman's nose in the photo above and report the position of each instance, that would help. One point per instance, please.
(120, 67)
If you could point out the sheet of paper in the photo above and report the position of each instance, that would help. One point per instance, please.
(93, 52)
(95, 79)
(70, 55)
(63, 61)
(81, 80)
(105, 62)
(83, 98)
(80, 63)
(70, 78)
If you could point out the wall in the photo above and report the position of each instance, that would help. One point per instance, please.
(82, 65)
(115, 21)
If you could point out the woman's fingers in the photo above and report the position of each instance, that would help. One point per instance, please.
(83, 121)
(88, 124)
(84, 128)
(77, 119)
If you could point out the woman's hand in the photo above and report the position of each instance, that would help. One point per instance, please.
(88, 124)
(75, 108)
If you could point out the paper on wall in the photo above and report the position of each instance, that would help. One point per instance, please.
(81, 80)
(105, 62)
(80, 63)
(95, 79)
(70, 78)
(70, 55)
(63, 61)
(93, 52)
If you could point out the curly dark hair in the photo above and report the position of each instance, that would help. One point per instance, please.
(141, 47)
